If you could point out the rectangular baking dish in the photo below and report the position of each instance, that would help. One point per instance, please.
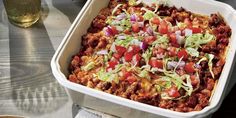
(122, 107)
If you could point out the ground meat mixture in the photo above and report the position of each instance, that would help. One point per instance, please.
(156, 54)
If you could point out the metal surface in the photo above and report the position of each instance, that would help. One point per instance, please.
(27, 86)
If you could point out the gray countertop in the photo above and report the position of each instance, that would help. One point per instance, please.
(27, 86)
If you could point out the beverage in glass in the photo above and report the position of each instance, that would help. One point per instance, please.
(23, 13)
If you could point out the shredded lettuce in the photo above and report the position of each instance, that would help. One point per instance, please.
(106, 57)
(196, 40)
(148, 15)
(109, 76)
(125, 23)
(124, 42)
(109, 20)
(144, 74)
(178, 63)
(116, 8)
(89, 66)
(207, 38)
(132, 2)
(192, 51)
(188, 86)
(202, 59)
(210, 57)
(102, 75)
(158, 88)
(177, 80)
(147, 55)
(166, 82)
(193, 41)
(154, 69)
(161, 40)
(181, 25)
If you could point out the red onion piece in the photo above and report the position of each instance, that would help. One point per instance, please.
(121, 16)
(108, 31)
(141, 24)
(133, 17)
(121, 37)
(136, 42)
(173, 64)
(144, 46)
(188, 32)
(180, 39)
(150, 31)
(197, 66)
(102, 52)
(181, 64)
(178, 32)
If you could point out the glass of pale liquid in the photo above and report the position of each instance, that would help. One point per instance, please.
(23, 13)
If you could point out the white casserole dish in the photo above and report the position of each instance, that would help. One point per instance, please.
(122, 107)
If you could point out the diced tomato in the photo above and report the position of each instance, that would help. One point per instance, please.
(112, 64)
(173, 92)
(140, 18)
(163, 27)
(135, 27)
(196, 30)
(131, 79)
(155, 20)
(182, 53)
(128, 56)
(172, 51)
(158, 51)
(120, 49)
(144, 29)
(149, 39)
(117, 56)
(138, 57)
(126, 74)
(114, 30)
(189, 67)
(173, 40)
(135, 49)
(156, 63)
(127, 31)
(188, 22)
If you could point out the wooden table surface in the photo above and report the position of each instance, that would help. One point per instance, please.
(27, 86)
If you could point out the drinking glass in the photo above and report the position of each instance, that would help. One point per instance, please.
(23, 13)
